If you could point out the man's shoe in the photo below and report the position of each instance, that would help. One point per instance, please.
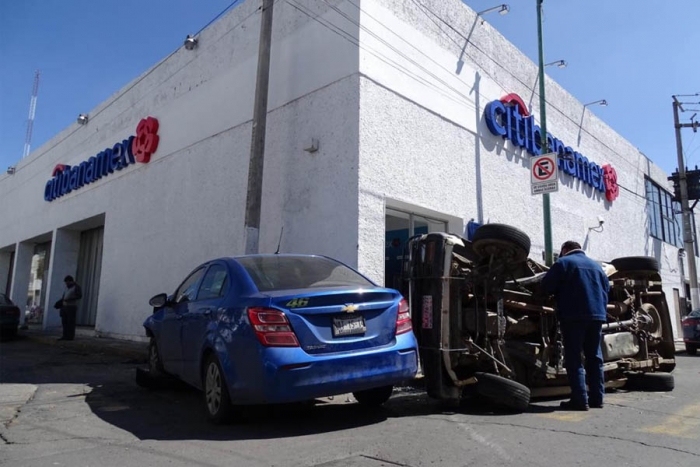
(571, 405)
(594, 405)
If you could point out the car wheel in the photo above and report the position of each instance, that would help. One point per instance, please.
(216, 397)
(502, 241)
(374, 397)
(663, 382)
(691, 349)
(636, 263)
(155, 364)
(502, 392)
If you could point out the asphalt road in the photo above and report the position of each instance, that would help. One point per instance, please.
(69, 408)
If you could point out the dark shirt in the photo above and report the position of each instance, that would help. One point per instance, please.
(580, 286)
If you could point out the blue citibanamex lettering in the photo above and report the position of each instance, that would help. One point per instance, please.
(68, 178)
(507, 121)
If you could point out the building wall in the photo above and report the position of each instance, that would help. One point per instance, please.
(187, 205)
(424, 141)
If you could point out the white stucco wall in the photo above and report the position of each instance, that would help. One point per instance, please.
(424, 141)
(187, 205)
(399, 124)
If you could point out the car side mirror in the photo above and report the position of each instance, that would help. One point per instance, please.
(159, 300)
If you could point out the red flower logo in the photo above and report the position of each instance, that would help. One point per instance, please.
(146, 140)
(612, 189)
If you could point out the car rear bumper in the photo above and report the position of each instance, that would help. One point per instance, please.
(292, 375)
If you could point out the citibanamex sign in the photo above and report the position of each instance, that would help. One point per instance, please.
(510, 119)
(137, 148)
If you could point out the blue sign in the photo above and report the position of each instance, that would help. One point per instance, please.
(510, 119)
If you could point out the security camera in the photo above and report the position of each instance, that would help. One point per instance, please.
(601, 221)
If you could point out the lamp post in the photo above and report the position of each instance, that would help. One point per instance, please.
(548, 259)
(601, 102)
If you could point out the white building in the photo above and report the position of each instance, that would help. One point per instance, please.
(396, 100)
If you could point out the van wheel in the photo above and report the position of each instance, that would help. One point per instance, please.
(216, 397)
(663, 382)
(636, 263)
(502, 392)
(502, 241)
(374, 397)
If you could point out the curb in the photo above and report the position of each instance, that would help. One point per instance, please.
(133, 350)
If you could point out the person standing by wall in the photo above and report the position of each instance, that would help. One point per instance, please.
(69, 308)
(581, 288)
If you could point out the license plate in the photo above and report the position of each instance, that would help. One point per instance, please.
(349, 326)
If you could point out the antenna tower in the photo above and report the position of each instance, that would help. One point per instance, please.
(32, 112)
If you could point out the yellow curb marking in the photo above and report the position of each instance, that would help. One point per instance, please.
(683, 424)
(566, 416)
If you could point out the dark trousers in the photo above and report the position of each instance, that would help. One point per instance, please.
(584, 336)
(68, 314)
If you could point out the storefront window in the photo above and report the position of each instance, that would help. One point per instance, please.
(400, 226)
(665, 218)
(37, 283)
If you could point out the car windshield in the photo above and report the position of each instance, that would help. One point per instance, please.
(694, 314)
(299, 272)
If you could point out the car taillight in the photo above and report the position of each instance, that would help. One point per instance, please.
(403, 319)
(272, 327)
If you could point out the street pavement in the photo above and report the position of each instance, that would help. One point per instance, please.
(77, 404)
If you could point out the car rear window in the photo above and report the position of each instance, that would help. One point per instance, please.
(300, 272)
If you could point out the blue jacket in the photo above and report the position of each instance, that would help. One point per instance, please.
(580, 287)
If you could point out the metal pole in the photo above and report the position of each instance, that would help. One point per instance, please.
(548, 259)
(687, 226)
(257, 146)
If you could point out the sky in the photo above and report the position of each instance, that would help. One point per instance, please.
(635, 54)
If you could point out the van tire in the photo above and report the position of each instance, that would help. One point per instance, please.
(502, 392)
(636, 263)
(501, 240)
(663, 382)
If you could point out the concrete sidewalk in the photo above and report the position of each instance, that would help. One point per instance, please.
(86, 341)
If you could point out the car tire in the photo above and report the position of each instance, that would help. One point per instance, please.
(662, 382)
(691, 349)
(501, 240)
(373, 397)
(155, 364)
(636, 263)
(217, 402)
(502, 392)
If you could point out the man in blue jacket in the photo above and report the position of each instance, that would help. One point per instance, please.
(581, 290)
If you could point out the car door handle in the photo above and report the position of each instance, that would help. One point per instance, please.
(179, 316)
(207, 311)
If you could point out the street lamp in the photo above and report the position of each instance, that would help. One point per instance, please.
(558, 63)
(601, 102)
(502, 10)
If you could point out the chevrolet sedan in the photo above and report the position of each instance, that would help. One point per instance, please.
(281, 328)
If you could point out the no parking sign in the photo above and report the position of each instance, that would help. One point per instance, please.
(544, 177)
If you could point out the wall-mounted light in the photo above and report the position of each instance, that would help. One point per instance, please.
(601, 102)
(11, 170)
(82, 119)
(558, 63)
(599, 227)
(191, 42)
(502, 10)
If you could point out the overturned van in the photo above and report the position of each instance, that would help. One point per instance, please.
(484, 328)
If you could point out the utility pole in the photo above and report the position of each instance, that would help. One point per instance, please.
(548, 257)
(688, 234)
(257, 146)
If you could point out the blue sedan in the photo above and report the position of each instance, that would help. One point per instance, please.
(281, 328)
